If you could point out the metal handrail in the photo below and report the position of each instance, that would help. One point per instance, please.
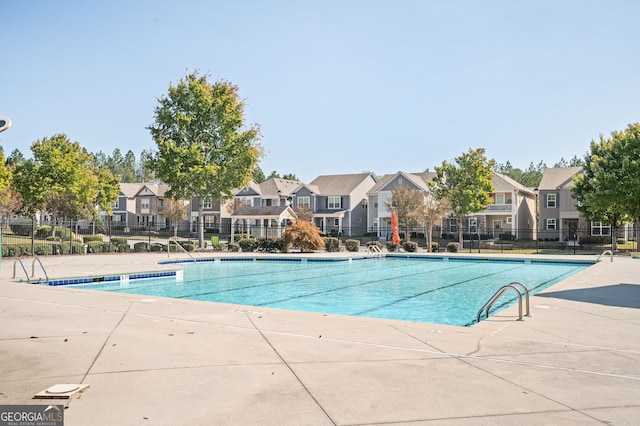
(514, 285)
(33, 268)
(374, 249)
(609, 252)
(23, 268)
(181, 248)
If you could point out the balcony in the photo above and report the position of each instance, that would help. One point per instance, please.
(499, 208)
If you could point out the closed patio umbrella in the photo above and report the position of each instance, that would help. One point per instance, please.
(395, 237)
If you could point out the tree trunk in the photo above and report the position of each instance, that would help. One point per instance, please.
(201, 222)
(427, 232)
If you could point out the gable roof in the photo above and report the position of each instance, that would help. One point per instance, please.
(157, 189)
(555, 178)
(130, 189)
(421, 180)
(338, 184)
(277, 186)
(503, 183)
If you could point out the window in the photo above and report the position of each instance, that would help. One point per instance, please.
(116, 204)
(509, 220)
(334, 202)
(144, 203)
(551, 224)
(375, 202)
(473, 225)
(304, 202)
(375, 222)
(208, 203)
(246, 202)
(336, 222)
(209, 221)
(597, 228)
(453, 225)
(551, 202)
(499, 199)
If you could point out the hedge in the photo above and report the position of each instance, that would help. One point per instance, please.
(352, 245)
(331, 244)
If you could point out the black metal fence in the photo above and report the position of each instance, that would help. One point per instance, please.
(28, 238)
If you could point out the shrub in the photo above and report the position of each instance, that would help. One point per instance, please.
(140, 247)
(453, 247)
(303, 235)
(507, 236)
(51, 238)
(435, 247)
(156, 247)
(352, 245)
(76, 248)
(233, 247)
(391, 246)
(22, 227)
(331, 244)
(90, 238)
(269, 244)
(219, 247)
(95, 246)
(410, 246)
(592, 239)
(248, 244)
(109, 248)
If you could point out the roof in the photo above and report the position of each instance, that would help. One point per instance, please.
(503, 183)
(338, 184)
(130, 189)
(555, 178)
(277, 186)
(421, 180)
(157, 189)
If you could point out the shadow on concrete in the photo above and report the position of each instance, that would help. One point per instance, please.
(622, 295)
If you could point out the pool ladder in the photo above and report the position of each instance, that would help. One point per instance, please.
(519, 288)
(33, 268)
(375, 250)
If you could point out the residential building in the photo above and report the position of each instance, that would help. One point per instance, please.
(512, 211)
(337, 204)
(559, 216)
(379, 198)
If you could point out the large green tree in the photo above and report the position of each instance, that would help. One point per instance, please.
(608, 190)
(466, 184)
(62, 179)
(204, 148)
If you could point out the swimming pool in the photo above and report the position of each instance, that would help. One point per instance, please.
(423, 289)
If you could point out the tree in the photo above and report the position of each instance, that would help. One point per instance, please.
(258, 175)
(407, 203)
(609, 188)
(62, 179)
(10, 200)
(530, 177)
(144, 172)
(303, 235)
(276, 175)
(175, 211)
(467, 184)
(431, 211)
(203, 148)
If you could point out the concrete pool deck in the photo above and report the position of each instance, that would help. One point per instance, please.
(156, 361)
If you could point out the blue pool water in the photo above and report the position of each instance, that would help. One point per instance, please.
(433, 290)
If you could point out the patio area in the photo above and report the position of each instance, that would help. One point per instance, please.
(156, 361)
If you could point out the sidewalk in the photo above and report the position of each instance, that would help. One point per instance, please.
(149, 360)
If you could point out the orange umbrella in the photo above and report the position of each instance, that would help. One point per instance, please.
(395, 238)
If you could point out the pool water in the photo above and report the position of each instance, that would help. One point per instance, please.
(432, 290)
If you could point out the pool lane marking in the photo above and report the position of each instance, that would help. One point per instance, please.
(287, 281)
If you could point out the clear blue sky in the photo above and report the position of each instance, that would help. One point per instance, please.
(336, 86)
